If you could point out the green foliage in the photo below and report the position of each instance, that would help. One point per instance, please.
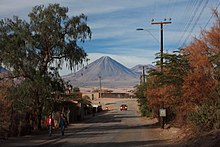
(28, 94)
(76, 89)
(140, 90)
(164, 89)
(142, 100)
(35, 52)
(206, 117)
(45, 43)
(143, 107)
(215, 94)
(176, 67)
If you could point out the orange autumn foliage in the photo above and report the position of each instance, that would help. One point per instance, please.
(161, 95)
(188, 91)
(199, 81)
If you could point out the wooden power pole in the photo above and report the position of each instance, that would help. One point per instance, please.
(161, 23)
(143, 75)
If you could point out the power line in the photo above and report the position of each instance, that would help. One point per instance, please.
(189, 10)
(200, 14)
(212, 15)
(194, 12)
(168, 8)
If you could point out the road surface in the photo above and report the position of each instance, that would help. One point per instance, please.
(110, 129)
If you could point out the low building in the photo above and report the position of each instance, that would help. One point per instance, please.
(115, 95)
(93, 96)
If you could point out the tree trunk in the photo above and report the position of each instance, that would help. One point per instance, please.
(39, 117)
(39, 121)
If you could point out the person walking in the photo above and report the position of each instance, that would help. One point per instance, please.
(62, 123)
(50, 124)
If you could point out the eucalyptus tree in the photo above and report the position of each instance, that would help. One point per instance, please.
(35, 51)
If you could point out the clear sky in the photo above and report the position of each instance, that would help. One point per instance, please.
(114, 23)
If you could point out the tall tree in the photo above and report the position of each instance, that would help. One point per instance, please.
(199, 81)
(164, 89)
(37, 49)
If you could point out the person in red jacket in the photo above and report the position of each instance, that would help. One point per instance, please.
(50, 124)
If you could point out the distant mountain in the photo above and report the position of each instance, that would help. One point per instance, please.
(111, 72)
(138, 69)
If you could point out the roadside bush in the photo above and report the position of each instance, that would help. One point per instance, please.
(206, 117)
(217, 111)
(142, 100)
(143, 107)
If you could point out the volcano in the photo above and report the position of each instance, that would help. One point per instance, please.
(105, 70)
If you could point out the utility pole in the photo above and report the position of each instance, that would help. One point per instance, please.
(161, 23)
(161, 40)
(143, 76)
(100, 87)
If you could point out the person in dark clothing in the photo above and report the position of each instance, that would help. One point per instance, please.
(62, 123)
(93, 111)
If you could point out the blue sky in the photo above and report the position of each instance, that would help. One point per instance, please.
(114, 23)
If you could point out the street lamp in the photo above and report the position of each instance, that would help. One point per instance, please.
(142, 78)
(141, 29)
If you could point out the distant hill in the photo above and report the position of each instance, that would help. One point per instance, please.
(138, 69)
(112, 74)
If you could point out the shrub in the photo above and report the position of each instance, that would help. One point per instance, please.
(143, 107)
(142, 100)
(206, 117)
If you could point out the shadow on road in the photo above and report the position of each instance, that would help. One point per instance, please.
(102, 124)
(148, 143)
